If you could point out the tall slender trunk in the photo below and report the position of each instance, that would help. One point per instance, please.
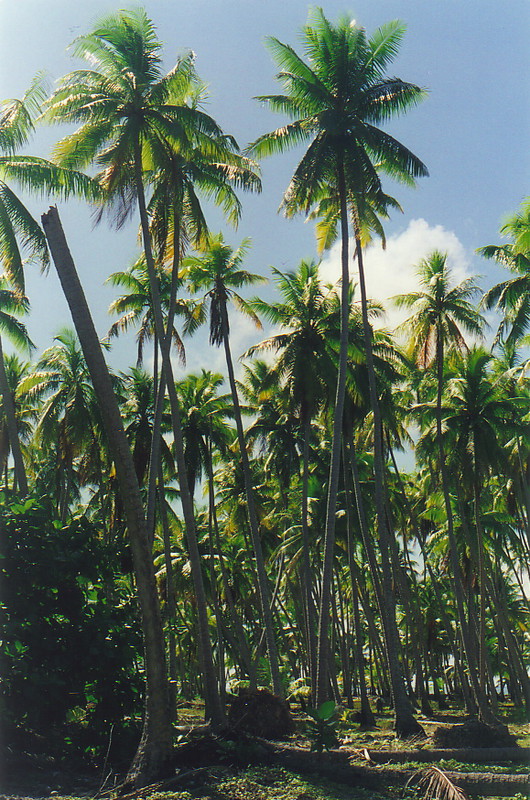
(307, 581)
(243, 651)
(153, 755)
(170, 599)
(322, 682)
(405, 723)
(480, 699)
(12, 432)
(213, 707)
(155, 454)
(367, 717)
(263, 581)
(469, 700)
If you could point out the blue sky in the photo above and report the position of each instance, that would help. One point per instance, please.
(472, 132)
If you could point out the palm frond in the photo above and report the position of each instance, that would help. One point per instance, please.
(438, 786)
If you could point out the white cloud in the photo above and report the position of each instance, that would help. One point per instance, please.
(393, 271)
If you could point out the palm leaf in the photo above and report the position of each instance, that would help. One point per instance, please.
(437, 785)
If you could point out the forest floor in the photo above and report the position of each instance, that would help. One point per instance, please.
(288, 770)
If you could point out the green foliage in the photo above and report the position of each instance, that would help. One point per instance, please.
(323, 728)
(69, 641)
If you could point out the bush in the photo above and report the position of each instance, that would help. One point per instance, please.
(70, 642)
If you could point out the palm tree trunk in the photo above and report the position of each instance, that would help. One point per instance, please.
(153, 755)
(480, 699)
(263, 581)
(12, 432)
(307, 582)
(405, 722)
(322, 682)
(170, 599)
(213, 707)
(367, 718)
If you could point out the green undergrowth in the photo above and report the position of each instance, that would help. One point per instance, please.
(260, 783)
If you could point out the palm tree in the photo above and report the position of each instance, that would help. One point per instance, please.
(68, 421)
(479, 418)
(441, 312)
(20, 234)
(16, 371)
(336, 99)
(12, 302)
(218, 272)
(307, 321)
(130, 114)
(512, 297)
(204, 422)
(135, 309)
(154, 751)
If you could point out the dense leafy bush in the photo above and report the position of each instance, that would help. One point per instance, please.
(70, 641)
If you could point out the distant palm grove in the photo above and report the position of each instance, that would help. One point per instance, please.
(170, 539)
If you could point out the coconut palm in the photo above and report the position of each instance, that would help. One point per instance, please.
(68, 422)
(479, 418)
(129, 113)
(442, 313)
(204, 422)
(306, 364)
(512, 297)
(12, 303)
(336, 99)
(218, 272)
(16, 371)
(20, 235)
(154, 751)
(135, 309)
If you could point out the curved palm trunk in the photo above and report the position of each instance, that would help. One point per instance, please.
(11, 424)
(405, 723)
(213, 707)
(263, 581)
(322, 680)
(153, 755)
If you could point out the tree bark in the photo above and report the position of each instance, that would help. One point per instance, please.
(153, 755)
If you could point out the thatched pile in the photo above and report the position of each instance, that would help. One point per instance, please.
(473, 733)
(260, 713)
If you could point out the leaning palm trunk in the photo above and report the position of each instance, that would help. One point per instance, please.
(153, 754)
(405, 724)
(262, 579)
(322, 680)
(12, 432)
(213, 708)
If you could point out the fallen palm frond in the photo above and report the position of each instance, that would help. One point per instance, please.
(437, 785)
